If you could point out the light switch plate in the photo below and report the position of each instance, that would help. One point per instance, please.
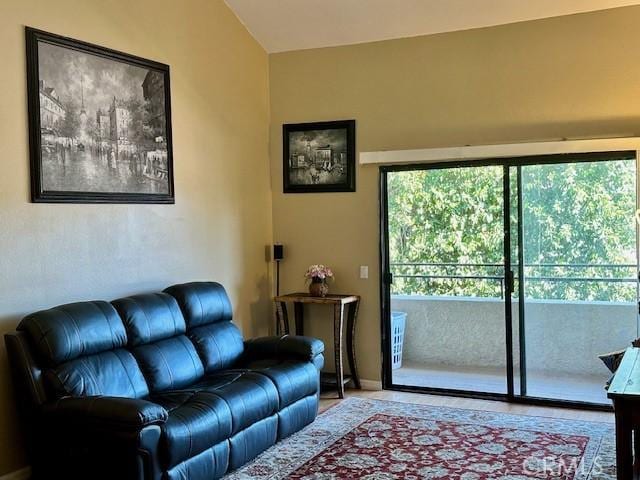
(364, 271)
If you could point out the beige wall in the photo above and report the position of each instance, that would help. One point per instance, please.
(575, 76)
(567, 77)
(221, 222)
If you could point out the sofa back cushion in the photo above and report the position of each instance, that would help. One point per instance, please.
(113, 373)
(207, 313)
(69, 331)
(81, 346)
(149, 318)
(220, 345)
(156, 331)
(202, 303)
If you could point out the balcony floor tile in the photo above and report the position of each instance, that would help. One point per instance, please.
(585, 388)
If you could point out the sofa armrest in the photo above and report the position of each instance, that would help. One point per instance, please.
(111, 437)
(286, 346)
(115, 412)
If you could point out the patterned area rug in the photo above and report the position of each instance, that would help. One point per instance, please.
(383, 440)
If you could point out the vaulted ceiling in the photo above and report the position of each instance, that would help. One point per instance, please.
(282, 25)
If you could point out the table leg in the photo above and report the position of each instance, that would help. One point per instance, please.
(636, 451)
(624, 457)
(283, 318)
(298, 311)
(351, 342)
(338, 318)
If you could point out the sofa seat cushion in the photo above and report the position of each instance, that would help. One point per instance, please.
(197, 421)
(294, 380)
(212, 410)
(250, 396)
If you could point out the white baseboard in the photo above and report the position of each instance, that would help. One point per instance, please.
(374, 385)
(22, 474)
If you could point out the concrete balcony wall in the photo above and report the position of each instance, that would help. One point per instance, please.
(561, 336)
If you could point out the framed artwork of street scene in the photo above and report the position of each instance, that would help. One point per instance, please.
(99, 124)
(319, 157)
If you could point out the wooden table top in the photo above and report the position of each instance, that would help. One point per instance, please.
(626, 382)
(302, 297)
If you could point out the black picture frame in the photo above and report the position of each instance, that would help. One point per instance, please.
(344, 160)
(162, 163)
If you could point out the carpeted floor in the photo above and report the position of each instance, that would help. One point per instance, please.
(383, 440)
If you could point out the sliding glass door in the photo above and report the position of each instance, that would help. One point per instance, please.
(579, 278)
(509, 279)
(446, 255)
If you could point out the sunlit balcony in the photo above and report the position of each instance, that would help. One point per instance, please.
(458, 342)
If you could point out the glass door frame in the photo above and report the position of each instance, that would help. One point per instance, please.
(386, 277)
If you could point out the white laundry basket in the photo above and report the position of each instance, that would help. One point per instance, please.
(398, 322)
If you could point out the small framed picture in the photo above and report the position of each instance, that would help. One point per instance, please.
(319, 157)
(99, 124)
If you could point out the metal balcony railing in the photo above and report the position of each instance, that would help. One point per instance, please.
(494, 272)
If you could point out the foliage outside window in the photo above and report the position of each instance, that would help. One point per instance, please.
(446, 238)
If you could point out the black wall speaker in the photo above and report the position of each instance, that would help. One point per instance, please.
(278, 252)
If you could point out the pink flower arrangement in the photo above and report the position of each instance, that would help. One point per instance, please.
(320, 272)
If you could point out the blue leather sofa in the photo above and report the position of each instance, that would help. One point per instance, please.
(157, 386)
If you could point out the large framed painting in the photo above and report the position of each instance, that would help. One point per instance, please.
(319, 157)
(99, 124)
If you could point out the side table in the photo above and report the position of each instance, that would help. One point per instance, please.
(625, 393)
(339, 303)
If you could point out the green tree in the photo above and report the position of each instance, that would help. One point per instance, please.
(581, 214)
(578, 214)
